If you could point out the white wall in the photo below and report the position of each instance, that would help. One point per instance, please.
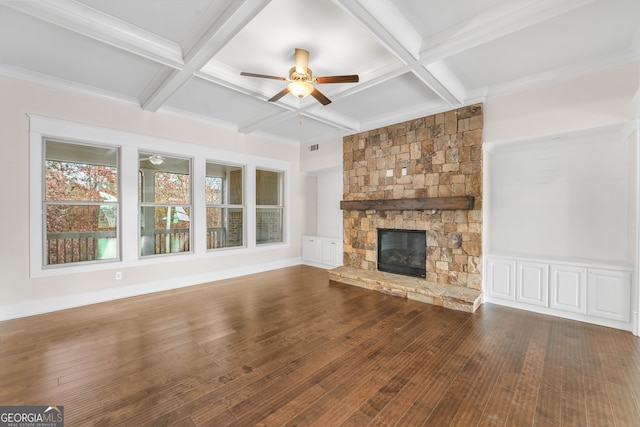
(589, 101)
(327, 156)
(311, 197)
(22, 295)
(558, 180)
(564, 197)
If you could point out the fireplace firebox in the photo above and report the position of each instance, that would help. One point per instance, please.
(402, 252)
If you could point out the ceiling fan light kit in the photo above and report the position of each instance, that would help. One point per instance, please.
(302, 81)
(156, 159)
(300, 88)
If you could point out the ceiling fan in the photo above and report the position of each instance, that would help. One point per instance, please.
(301, 80)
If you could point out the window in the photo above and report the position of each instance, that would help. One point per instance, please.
(225, 211)
(102, 199)
(80, 203)
(269, 206)
(164, 196)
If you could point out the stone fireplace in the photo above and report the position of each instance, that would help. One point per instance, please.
(426, 175)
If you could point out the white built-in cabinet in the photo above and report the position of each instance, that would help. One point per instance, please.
(322, 251)
(312, 250)
(593, 293)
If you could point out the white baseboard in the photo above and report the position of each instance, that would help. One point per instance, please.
(625, 326)
(319, 265)
(30, 308)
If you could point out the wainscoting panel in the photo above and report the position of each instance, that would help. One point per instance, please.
(590, 292)
(533, 283)
(569, 288)
(501, 281)
(609, 293)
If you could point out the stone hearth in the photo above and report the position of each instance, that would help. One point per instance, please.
(413, 288)
(428, 161)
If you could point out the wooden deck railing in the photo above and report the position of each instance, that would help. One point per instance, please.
(71, 247)
(64, 248)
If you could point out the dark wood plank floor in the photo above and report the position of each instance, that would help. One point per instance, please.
(289, 348)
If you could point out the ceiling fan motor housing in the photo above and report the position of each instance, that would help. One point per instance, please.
(294, 76)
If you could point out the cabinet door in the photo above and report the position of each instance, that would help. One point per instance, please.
(533, 283)
(332, 252)
(609, 294)
(501, 277)
(569, 288)
(312, 249)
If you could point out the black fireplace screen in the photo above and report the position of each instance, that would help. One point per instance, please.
(402, 252)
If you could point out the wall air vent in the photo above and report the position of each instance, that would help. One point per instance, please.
(314, 147)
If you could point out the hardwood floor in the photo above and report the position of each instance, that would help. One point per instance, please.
(289, 348)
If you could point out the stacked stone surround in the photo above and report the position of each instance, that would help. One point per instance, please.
(442, 157)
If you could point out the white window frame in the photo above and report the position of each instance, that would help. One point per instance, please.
(129, 145)
(46, 203)
(282, 205)
(148, 204)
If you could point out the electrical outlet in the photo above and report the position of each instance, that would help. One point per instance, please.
(118, 275)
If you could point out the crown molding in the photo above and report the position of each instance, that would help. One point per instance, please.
(62, 85)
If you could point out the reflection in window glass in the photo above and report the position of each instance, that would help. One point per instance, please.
(164, 189)
(225, 210)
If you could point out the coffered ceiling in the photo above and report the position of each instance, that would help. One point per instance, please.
(414, 57)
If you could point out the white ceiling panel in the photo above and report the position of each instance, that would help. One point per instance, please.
(172, 20)
(413, 57)
(296, 128)
(570, 38)
(402, 93)
(266, 45)
(47, 49)
(433, 16)
(205, 99)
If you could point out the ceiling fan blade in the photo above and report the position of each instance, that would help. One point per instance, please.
(352, 78)
(262, 76)
(302, 61)
(320, 97)
(279, 95)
